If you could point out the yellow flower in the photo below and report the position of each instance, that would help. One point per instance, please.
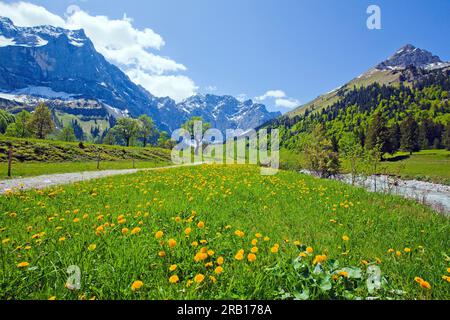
(254, 242)
(391, 250)
(446, 278)
(201, 225)
(343, 274)
(174, 279)
(258, 235)
(161, 254)
(172, 243)
(418, 279)
(159, 235)
(266, 239)
(303, 255)
(187, 231)
(136, 230)
(137, 285)
(62, 239)
(309, 250)
(173, 267)
(99, 230)
(251, 257)
(199, 278)
(239, 256)
(208, 265)
(425, 285)
(297, 243)
(38, 235)
(189, 283)
(218, 270)
(200, 256)
(398, 253)
(254, 250)
(407, 250)
(194, 244)
(122, 221)
(76, 220)
(210, 253)
(345, 238)
(23, 265)
(239, 233)
(274, 249)
(5, 241)
(319, 259)
(92, 247)
(177, 219)
(448, 270)
(52, 298)
(220, 261)
(125, 231)
(213, 279)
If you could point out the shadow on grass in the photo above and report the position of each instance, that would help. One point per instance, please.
(398, 158)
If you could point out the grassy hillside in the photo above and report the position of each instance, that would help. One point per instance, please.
(226, 232)
(25, 150)
(35, 157)
(328, 99)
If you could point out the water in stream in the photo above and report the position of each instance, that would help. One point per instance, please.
(434, 195)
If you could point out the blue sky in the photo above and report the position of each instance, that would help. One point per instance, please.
(302, 48)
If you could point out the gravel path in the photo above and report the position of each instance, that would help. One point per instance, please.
(42, 182)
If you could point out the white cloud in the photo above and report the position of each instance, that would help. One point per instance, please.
(279, 98)
(178, 87)
(120, 43)
(287, 103)
(271, 94)
(26, 14)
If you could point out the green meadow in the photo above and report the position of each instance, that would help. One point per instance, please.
(220, 232)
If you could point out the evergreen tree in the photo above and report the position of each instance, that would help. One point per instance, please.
(378, 134)
(78, 130)
(410, 135)
(394, 138)
(446, 137)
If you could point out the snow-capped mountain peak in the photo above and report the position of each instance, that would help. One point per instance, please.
(53, 63)
(410, 55)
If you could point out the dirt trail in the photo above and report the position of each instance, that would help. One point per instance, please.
(42, 182)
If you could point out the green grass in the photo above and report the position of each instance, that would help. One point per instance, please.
(31, 169)
(426, 165)
(285, 208)
(33, 157)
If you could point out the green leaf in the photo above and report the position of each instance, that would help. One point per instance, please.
(325, 284)
(302, 296)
